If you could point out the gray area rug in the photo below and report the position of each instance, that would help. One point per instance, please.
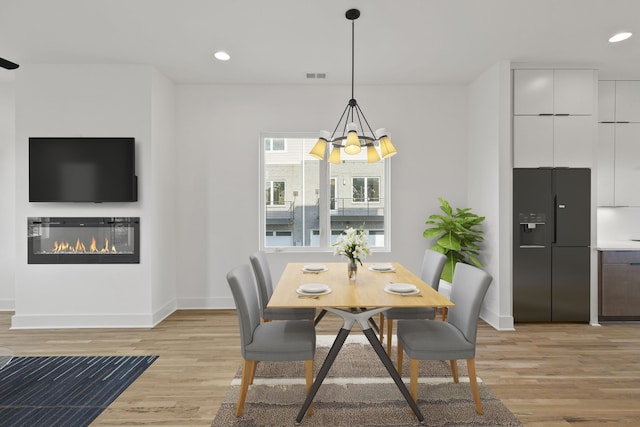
(358, 391)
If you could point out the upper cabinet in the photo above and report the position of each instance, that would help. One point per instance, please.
(553, 124)
(619, 101)
(553, 92)
(618, 143)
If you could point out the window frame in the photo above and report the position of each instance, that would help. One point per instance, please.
(325, 194)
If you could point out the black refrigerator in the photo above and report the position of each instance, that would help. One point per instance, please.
(551, 261)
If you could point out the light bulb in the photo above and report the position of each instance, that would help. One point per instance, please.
(353, 142)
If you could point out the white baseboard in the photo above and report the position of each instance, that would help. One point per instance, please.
(205, 303)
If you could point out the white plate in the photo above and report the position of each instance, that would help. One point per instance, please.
(314, 288)
(314, 268)
(315, 294)
(391, 291)
(381, 267)
(402, 288)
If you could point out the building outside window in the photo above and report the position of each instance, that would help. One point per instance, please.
(274, 193)
(366, 190)
(274, 144)
(308, 203)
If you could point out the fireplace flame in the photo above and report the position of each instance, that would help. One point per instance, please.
(59, 247)
(80, 247)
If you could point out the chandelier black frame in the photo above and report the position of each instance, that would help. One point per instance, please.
(351, 120)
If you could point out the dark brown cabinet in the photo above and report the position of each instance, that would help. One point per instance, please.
(619, 285)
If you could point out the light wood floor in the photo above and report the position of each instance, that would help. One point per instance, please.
(547, 374)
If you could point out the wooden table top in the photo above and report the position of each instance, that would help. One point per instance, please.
(366, 291)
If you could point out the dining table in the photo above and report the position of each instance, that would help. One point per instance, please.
(377, 287)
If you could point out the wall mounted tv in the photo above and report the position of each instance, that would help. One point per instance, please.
(82, 170)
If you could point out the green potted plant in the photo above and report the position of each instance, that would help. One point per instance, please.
(458, 236)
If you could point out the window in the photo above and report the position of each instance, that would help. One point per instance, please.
(366, 190)
(308, 203)
(274, 193)
(274, 144)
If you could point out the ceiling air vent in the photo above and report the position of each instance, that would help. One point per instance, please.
(316, 75)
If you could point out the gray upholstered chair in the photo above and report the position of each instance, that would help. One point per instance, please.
(289, 340)
(265, 289)
(432, 265)
(452, 339)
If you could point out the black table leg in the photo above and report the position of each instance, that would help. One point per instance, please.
(382, 354)
(363, 319)
(319, 317)
(328, 361)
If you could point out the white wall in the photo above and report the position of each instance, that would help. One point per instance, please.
(218, 132)
(490, 182)
(163, 206)
(618, 224)
(7, 196)
(93, 100)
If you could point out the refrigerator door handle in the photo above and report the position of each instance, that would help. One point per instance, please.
(555, 217)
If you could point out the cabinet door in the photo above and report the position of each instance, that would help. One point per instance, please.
(573, 141)
(532, 92)
(628, 101)
(620, 289)
(532, 141)
(606, 101)
(605, 163)
(573, 92)
(627, 164)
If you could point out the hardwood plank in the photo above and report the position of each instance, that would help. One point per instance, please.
(547, 374)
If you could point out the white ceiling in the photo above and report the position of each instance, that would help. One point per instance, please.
(279, 41)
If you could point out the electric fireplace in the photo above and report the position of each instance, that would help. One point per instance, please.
(70, 240)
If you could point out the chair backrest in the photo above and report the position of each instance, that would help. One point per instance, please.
(263, 278)
(243, 287)
(432, 265)
(468, 289)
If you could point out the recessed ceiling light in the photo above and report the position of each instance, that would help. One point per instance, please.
(619, 37)
(222, 55)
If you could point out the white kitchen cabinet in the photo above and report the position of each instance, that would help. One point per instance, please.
(548, 141)
(553, 92)
(606, 101)
(573, 92)
(606, 163)
(553, 125)
(532, 92)
(573, 138)
(533, 141)
(627, 101)
(627, 164)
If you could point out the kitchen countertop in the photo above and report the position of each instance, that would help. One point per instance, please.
(619, 245)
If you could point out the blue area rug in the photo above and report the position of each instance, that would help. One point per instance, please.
(64, 390)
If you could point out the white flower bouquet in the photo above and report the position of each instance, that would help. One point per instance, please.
(353, 244)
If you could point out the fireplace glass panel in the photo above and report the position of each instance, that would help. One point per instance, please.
(66, 240)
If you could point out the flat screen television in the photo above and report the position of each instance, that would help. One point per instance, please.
(82, 170)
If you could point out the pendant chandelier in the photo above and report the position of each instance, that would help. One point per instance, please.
(353, 132)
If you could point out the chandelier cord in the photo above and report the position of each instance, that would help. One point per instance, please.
(353, 61)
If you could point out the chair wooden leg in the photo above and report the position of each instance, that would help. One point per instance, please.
(247, 368)
(454, 370)
(473, 380)
(413, 385)
(308, 373)
(399, 361)
(381, 322)
(389, 335)
(445, 311)
(253, 373)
